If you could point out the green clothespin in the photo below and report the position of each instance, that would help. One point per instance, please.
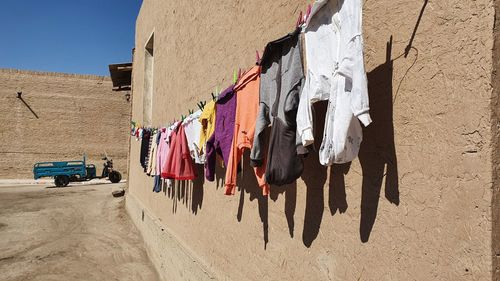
(235, 77)
(201, 104)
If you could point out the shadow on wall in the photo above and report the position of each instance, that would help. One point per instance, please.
(189, 193)
(248, 184)
(377, 157)
(314, 176)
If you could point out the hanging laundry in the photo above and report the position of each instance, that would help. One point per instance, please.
(163, 151)
(335, 72)
(247, 107)
(151, 167)
(148, 155)
(158, 184)
(133, 128)
(179, 165)
(146, 134)
(207, 120)
(192, 128)
(156, 168)
(221, 140)
(280, 86)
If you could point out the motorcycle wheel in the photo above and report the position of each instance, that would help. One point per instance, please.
(115, 176)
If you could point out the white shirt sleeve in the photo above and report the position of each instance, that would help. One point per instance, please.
(352, 66)
(304, 114)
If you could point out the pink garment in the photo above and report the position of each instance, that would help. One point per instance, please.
(179, 164)
(161, 153)
(163, 149)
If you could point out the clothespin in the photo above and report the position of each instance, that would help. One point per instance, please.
(299, 20)
(213, 97)
(257, 58)
(202, 104)
(235, 77)
(191, 111)
(239, 74)
(308, 13)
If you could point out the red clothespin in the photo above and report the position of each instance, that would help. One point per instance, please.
(299, 20)
(257, 57)
(308, 13)
(239, 74)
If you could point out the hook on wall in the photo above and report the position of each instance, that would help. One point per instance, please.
(19, 96)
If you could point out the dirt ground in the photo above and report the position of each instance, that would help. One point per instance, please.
(75, 233)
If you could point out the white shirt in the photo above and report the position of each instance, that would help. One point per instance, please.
(335, 72)
(192, 128)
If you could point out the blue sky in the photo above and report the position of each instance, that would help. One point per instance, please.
(72, 36)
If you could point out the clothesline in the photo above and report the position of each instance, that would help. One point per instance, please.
(237, 74)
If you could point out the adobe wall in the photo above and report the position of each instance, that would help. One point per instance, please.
(76, 114)
(495, 127)
(416, 205)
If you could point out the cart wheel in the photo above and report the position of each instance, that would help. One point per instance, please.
(58, 181)
(115, 176)
(65, 180)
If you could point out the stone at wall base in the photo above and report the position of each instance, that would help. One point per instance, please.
(118, 193)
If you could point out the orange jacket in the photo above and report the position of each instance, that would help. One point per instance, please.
(247, 107)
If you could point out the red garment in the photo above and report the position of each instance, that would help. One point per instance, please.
(179, 165)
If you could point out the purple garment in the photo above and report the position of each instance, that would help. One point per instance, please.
(210, 159)
(222, 139)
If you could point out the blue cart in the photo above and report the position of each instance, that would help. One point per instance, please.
(65, 172)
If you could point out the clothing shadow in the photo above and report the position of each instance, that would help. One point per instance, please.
(189, 193)
(337, 199)
(290, 193)
(248, 185)
(197, 191)
(314, 177)
(220, 173)
(377, 154)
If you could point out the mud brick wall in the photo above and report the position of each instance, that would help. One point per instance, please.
(72, 115)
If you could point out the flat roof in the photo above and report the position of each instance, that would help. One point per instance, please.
(121, 76)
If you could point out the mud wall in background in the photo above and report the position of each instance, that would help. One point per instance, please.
(416, 205)
(72, 115)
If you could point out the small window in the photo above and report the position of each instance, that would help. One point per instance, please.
(148, 81)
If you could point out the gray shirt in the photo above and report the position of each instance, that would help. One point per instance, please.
(280, 86)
